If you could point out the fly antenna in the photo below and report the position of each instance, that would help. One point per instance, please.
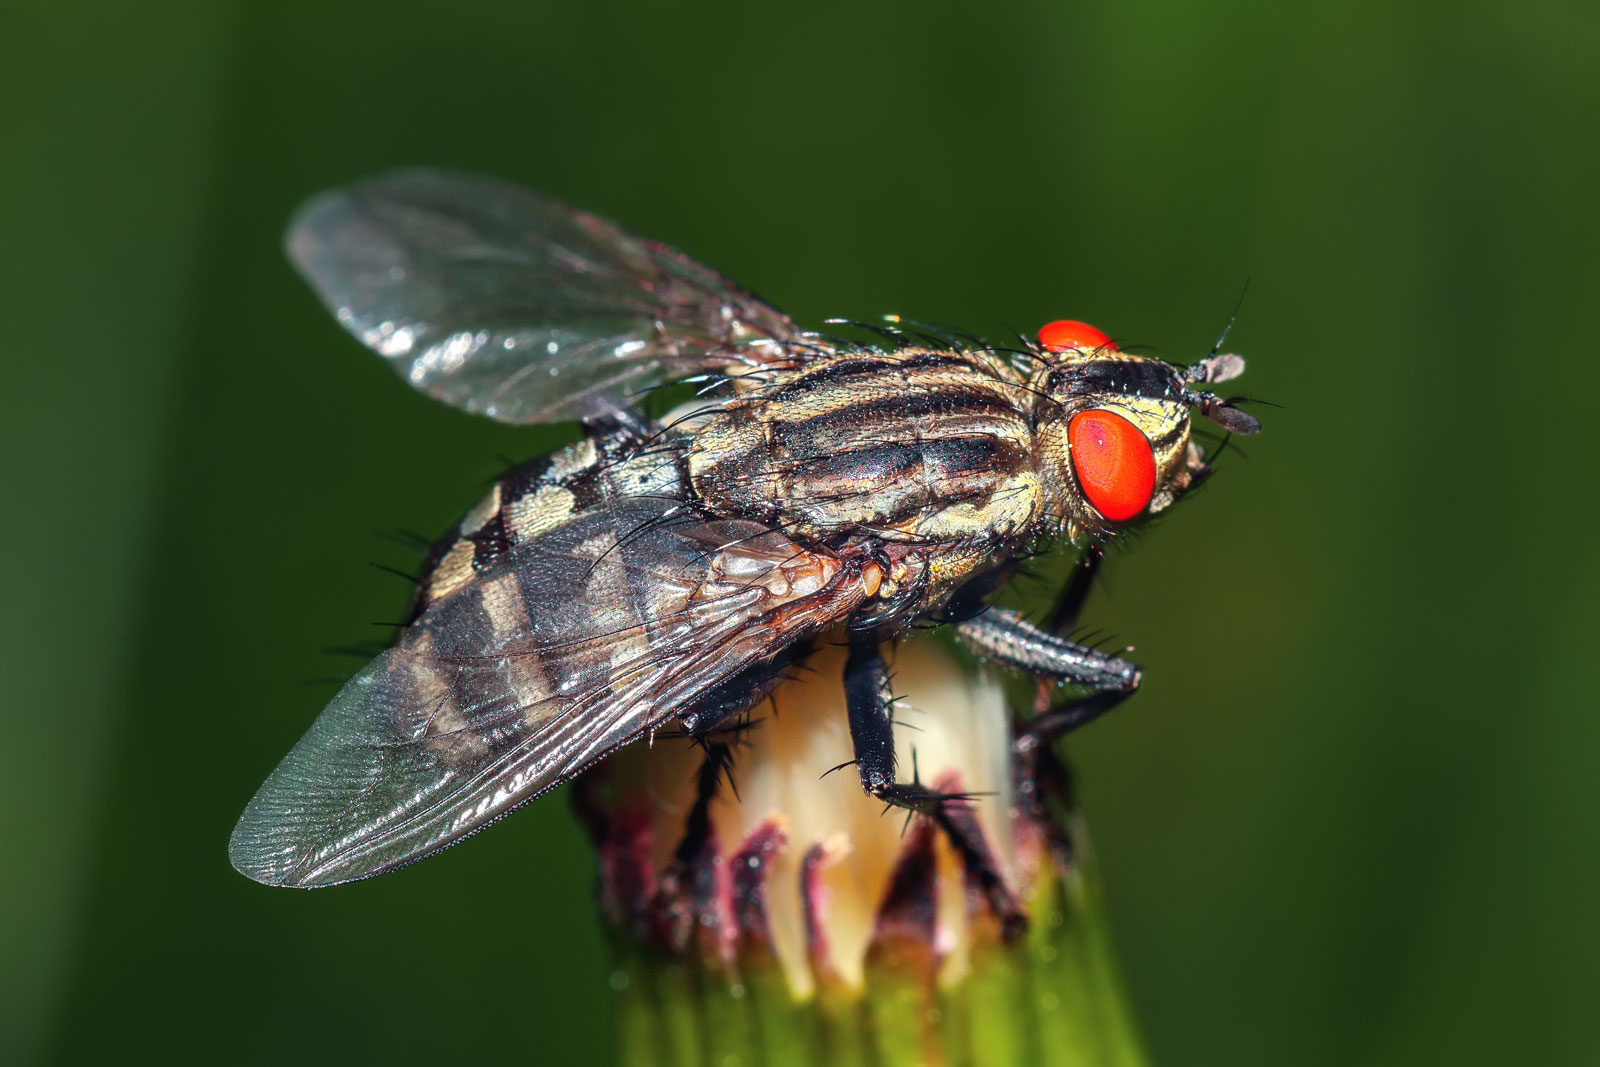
(1220, 366)
(1238, 306)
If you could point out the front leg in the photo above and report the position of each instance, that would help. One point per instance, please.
(1040, 775)
(1009, 639)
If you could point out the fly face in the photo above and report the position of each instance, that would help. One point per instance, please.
(664, 574)
(1118, 425)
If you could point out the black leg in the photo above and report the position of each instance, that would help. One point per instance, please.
(683, 909)
(697, 828)
(723, 704)
(1037, 770)
(1069, 605)
(1041, 777)
(1056, 722)
(871, 709)
(960, 825)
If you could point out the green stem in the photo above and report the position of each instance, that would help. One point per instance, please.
(1053, 997)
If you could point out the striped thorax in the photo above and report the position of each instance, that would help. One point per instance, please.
(950, 460)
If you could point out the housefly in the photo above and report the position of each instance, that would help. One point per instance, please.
(665, 573)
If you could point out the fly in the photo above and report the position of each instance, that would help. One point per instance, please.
(665, 573)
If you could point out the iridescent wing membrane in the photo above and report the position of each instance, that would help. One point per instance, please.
(502, 302)
(573, 644)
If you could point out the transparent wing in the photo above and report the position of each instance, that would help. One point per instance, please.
(572, 645)
(495, 299)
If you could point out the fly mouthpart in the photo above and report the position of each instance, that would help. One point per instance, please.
(1222, 412)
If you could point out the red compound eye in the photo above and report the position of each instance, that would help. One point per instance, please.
(1115, 464)
(1069, 333)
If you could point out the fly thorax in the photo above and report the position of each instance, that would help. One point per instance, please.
(925, 446)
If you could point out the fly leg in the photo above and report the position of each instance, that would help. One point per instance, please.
(718, 765)
(723, 707)
(1009, 639)
(684, 906)
(1051, 720)
(685, 903)
(1002, 635)
(871, 709)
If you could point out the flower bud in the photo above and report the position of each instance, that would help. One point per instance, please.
(756, 893)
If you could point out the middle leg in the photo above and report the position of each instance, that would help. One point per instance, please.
(870, 704)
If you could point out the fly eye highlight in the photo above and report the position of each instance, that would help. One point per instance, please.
(1067, 334)
(1115, 464)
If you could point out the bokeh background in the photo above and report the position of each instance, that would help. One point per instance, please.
(1350, 819)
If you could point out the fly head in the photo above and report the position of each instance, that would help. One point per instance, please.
(1115, 426)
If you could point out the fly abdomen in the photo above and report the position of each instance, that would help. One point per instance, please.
(536, 497)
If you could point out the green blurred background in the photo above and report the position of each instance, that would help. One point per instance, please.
(1349, 819)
